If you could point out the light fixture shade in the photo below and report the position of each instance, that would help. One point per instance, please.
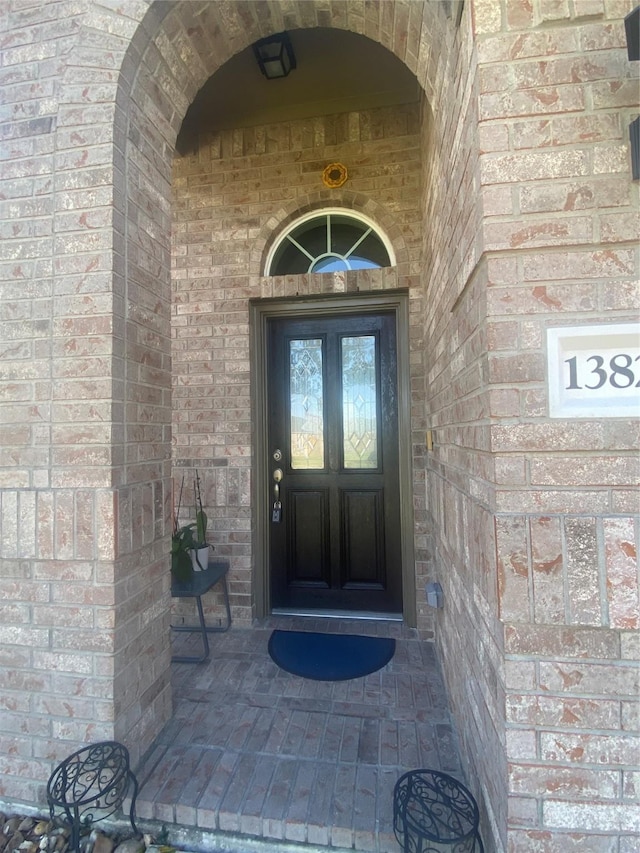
(275, 56)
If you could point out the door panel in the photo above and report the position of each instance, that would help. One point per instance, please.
(333, 433)
(362, 526)
(306, 522)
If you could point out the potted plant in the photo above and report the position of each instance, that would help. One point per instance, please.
(181, 545)
(199, 547)
(189, 548)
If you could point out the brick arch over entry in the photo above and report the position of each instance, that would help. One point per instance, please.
(172, 52)
(181, 45)
(170, 57)
(178, 46)
(101, 503)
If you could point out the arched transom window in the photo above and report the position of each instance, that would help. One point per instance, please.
(331, 241)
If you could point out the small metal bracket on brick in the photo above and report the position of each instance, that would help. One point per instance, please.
(434, 594)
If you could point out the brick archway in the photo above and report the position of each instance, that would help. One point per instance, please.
(99, 496)
(135, 115)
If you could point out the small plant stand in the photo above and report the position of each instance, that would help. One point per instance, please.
(197, 585)
(434, 813)
(90, 785)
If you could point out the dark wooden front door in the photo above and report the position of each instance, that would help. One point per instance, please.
(333, 452)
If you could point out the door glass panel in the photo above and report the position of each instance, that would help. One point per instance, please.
(306, 399)
(359, 411)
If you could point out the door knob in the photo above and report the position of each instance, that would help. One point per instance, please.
(276, 514)
(277, 476)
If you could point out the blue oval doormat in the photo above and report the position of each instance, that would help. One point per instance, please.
(329, 657)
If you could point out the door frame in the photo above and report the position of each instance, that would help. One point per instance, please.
(332, 305)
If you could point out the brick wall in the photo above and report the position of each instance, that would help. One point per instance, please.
(559, 204)
(532, 537)
(231, 196)
(459, 470)
(528, 218)
(85, 384)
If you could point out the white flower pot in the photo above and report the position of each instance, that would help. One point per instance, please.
(200, 558)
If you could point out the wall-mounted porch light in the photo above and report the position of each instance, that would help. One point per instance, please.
(275, 56)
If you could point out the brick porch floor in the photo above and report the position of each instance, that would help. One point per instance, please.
(255, 751)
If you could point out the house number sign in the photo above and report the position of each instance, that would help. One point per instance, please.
(594, 371)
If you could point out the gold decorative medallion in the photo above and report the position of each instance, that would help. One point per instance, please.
(335, 175)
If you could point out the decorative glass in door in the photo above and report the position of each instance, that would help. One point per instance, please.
(307, 403)
(359, 395)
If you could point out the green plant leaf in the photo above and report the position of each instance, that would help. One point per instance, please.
(181, 567)
(201, 527)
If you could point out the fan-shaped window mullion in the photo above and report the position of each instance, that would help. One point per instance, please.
(357, 243)
(302, 249)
